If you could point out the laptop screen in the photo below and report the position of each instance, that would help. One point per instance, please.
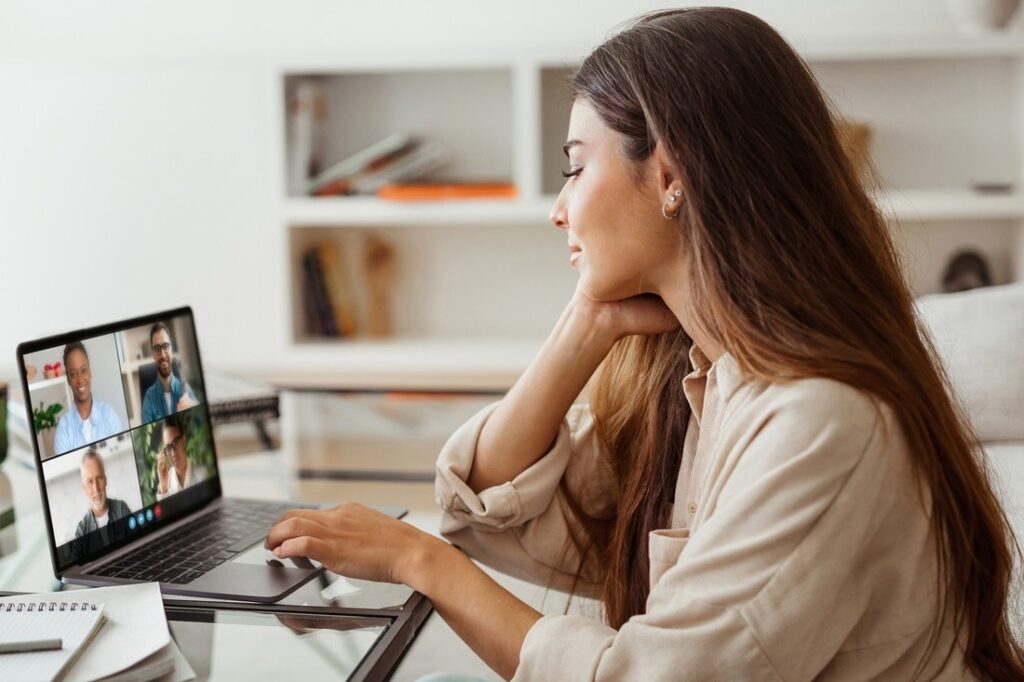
(122, 431)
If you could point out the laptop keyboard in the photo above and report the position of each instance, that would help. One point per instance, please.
(198, 547)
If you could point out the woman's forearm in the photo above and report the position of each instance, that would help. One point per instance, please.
(525, 424)
(490, 619)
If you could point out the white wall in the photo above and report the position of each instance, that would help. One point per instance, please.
(136, 165)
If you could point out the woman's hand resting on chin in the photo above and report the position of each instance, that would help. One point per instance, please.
(643, 314)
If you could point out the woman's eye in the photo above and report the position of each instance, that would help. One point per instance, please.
(571, 173)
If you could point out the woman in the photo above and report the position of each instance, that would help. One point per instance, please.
(771, 480)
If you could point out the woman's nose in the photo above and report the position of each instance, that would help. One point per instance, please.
(558, 215)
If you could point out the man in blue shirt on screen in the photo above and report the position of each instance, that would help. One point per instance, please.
(89, 420)
(168, 394)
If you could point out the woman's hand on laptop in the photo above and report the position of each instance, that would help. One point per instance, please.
(353, 540)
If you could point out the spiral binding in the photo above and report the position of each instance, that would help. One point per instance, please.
(46, 606)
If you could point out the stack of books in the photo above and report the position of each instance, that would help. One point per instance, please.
(396, 158)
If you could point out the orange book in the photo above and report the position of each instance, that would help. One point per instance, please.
(443, 191)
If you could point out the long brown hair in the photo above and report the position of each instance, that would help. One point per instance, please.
(794, 273)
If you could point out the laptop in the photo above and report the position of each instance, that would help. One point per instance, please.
(128, 471)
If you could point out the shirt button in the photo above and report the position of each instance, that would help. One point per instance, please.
(692, 508)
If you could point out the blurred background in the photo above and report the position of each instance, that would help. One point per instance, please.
(155, 154)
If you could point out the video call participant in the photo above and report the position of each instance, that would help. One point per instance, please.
(102, 511)
(175, 469)
(89, 420)
(168, 394)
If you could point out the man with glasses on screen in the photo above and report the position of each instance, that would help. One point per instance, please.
(89, 420)
(175, 469)
(168, 394)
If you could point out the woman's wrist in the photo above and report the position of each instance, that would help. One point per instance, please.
(424, 560)
(593, 322)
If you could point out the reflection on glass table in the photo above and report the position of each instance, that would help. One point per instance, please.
(273, 646)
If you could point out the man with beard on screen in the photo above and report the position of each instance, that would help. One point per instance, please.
(103, 511)
(168, 394)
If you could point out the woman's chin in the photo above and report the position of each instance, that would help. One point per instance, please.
(604, 292)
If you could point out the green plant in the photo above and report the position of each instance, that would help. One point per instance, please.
(45, 418)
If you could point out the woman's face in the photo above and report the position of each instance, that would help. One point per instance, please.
(618, 238)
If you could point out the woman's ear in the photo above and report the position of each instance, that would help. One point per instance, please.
(668, 180)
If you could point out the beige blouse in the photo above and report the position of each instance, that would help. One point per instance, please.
(799, 546)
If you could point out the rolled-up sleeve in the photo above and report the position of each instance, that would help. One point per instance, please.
(773, 580)
(522, 526)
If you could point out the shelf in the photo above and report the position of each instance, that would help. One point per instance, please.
(366, 211)
(1008, 44)
(46, 383)
(950, 204)
(929, 204)
(412, 363)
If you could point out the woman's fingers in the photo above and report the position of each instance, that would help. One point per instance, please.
(305, 546)
(315, 515)
(293, 527)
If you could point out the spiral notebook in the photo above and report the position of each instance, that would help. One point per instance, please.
(75, 623)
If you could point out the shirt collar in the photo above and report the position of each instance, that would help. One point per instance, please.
(724, 374)
(77, 418)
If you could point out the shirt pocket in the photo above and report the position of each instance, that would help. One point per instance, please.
(664, 547)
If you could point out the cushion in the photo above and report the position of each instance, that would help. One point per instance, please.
(979, 336)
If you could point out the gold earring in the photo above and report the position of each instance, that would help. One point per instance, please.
(664, 207)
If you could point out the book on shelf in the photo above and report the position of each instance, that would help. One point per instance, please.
(446, 191)
(339, 177)
(328, 299)
(339, 290)
(319, 315)
(398, 157)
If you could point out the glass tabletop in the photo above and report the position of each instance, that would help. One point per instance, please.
(310, 647)
(375, 448)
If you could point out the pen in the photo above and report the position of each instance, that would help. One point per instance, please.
(30, 645)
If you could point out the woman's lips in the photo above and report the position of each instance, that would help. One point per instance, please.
(574, 254)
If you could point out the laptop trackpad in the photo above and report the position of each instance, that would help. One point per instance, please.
(261, 582)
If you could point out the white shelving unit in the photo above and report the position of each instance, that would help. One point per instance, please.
(481, 282)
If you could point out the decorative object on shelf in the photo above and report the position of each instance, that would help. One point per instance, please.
(307, 114)
(966, 270)
(52, 371)
(980, 16)
(45, 422)
(3, 423)
(447, 191)
(379, 269)
(30, 372)
(855, 138)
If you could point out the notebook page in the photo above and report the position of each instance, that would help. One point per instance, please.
(43, 618)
